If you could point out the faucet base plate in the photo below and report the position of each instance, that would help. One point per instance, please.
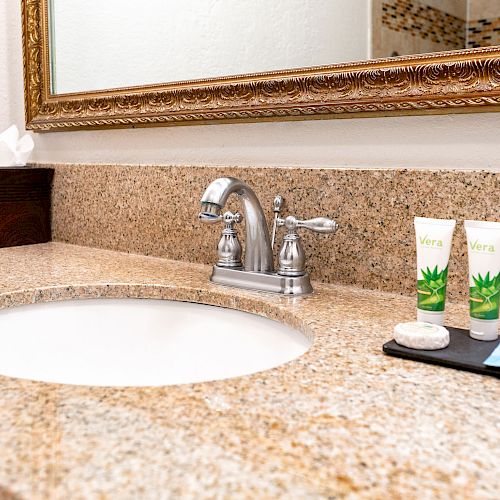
(264, 282)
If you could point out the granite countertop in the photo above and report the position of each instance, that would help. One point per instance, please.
(342, 421)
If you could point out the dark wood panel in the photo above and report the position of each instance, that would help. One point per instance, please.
(25, 205)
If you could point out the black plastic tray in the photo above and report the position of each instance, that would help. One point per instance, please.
(463, 353)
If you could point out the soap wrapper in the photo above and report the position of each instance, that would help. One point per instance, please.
(15, 150)
(494, 358)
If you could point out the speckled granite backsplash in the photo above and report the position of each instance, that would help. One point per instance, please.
(153, 211)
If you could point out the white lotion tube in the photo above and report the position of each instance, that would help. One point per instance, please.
(483, 245)
(434, 238)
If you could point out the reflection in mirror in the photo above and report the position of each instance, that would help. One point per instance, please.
(99, 45)
(406, 27)
(121, 43)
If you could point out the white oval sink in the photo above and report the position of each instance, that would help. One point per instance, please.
(139, 342)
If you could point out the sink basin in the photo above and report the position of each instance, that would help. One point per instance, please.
(139, 342)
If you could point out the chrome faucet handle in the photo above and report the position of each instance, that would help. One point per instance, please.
(229, 247)
(229, 219)
(292, 259)
(318, 225)
(277, 203)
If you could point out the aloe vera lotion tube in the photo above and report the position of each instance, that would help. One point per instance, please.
(483, 245)
(433, 238)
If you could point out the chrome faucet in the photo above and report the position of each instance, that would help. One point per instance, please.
(258, 252)
(258, 272)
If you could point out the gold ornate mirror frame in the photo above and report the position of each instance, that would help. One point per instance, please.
(457, 81)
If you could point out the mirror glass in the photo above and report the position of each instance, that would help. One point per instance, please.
(96, 45)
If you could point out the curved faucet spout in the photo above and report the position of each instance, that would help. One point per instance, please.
(258, 253)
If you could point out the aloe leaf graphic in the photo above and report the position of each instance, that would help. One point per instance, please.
(484, 296)
(432, 289)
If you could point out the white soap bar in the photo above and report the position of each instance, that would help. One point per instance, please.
(420, 335)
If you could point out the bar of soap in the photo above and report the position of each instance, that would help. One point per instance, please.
(420, 335)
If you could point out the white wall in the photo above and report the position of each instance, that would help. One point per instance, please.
(10, 44)
(96, 41)
(454, 141)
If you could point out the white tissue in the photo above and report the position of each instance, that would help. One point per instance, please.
(15, 151)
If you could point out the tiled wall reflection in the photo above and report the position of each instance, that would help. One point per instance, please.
(421, 20)
(405, 27)
(484, 32)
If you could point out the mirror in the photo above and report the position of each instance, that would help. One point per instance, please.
(179, 40)
(99, 45)
(118, 63)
